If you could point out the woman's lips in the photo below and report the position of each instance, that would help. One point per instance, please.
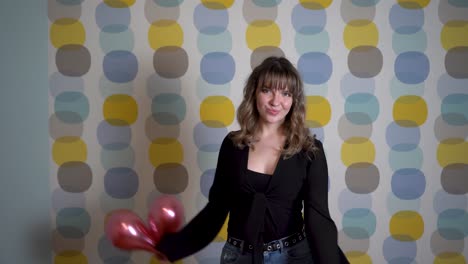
(272, 112)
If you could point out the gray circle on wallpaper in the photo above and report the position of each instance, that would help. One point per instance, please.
(154, 129)
(56, 10)
(444, 131)
(59, 83)
(170, 62)
(453, 178)
(60, 243)
(449, 12)
(261, 53)
(73, 60)
(154, 12)
(170, 178)
(253, 12)
(365, 61)
(74, 176)
(58, 128)
(73, 222)
(111, 254)
(347, 129)
(362, 177)
(349, 244)
(441, 245)
(456, 62)
(349, 11)
(156, 84)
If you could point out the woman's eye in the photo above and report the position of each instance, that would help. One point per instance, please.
(265, 90)
(288, 94)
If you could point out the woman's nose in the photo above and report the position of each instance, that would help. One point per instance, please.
(276, 99)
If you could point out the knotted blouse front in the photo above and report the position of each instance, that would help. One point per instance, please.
(296, 181)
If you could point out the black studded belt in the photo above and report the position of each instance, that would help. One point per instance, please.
(274, 245)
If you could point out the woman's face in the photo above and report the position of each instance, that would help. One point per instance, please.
(273, 104)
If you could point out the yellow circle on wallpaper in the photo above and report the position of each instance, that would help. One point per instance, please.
(120, 110)
(262, 33)
(360, 33)
(315, 4)
(357, 150)
(217, 4)
(406, 226)
(217, 111)
(165, 33)
(410, 111)
(69, 148)
(413, 4)
(318, 111)
(67, 31)
(70, 257)
(119, 3)
(166, 150)
(454, 34)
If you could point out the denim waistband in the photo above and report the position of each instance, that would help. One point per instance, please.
(274, 245)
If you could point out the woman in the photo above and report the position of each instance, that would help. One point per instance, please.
(267, 172)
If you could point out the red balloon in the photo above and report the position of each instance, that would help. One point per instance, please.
(166, 215)
(127, 231)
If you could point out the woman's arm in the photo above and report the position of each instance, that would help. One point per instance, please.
(320, 228)
(204, 227)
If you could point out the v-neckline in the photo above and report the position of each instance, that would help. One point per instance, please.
(273, 175)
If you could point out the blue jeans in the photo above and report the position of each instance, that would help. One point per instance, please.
(297, 254)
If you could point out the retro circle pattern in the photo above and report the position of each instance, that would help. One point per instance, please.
(448, 240)
(361, 111)
(194, 65)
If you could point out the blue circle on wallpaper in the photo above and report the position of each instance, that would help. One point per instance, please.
(217, 67)
(113, 137)
(408, 184)
(71, 107)
(365, 3)
(411, 67)
(455, 109)
(406, 20)
(361, 108)
(116, 37)
(168, 108)
(350, 84)
(452, 224)
(221, 42)
(443, 201)
(120, 66)
(106, 15)
(396, 249)
(402, 138)
(121, 183)
(319, 133)
(168, 3)
(406, 159)
(206, 180)
(315, 67)
(359, 223)
(207, 138)
(210, 21)
(308, 21)
(73, 222)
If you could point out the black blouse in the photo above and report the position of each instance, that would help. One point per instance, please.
(296, 181)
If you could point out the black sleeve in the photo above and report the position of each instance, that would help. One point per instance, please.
(320, 229)
(204, 227)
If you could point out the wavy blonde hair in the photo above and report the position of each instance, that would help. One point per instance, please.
(276, 73)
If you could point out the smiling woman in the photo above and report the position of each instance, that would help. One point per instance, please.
(267, 173)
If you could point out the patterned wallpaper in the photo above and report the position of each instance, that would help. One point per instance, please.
(143, 92)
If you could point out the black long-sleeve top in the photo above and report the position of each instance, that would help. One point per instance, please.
(296, 181)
